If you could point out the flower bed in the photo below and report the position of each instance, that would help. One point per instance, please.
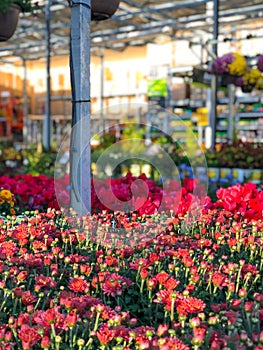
(40, 192)
(132, 281)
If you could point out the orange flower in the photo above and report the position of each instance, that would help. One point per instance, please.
(190, 305)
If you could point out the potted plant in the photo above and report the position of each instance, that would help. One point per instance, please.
(9, 14)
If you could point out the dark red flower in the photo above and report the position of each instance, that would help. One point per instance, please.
(28, 298)
(115, 284)
(29, 336)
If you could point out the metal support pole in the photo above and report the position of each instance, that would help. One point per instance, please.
(25, 106)
(80, 172)
(166, 126)
(213, 112)
(202, 53)
(102, 90)
(47, 116)
(231, 101)
(148, 139)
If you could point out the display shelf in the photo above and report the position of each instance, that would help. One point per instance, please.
(251, 115)
(241, 100)
(249, 127)
(242, 115)
(249, 99)
(180, 103)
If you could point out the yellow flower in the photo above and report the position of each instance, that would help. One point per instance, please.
(238, 66)
(5, 194)
(259, 84)
(6, 202)
(252, 76)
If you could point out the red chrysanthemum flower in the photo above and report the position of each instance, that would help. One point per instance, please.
(44, 281)
(172, 343)
(78, 284)
(21, 234)
(104, 334)
(115, 284)
(8, 248)
(218, 278)
(28, 298)
(190, 305)
(162, 276)
(171, 283)
(29, 336)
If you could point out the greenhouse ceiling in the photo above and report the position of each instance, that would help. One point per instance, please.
(136, 22)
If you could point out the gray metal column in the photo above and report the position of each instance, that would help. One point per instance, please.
(213, 112)
(80, 174)
(47, 116)
(231, 115)
(102, 126)
(25, 106)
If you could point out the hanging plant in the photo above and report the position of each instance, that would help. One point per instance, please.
(24, 5)
(231, 63)
(249, 80)
(260, 63)
(8, 22)
(9, 15)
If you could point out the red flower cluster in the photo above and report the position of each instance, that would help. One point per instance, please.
(162, 281)
(246, 200)
(136, 194)
(31, 192)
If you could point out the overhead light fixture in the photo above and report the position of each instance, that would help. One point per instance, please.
(5, 53)
(162, 39)
(237, 18)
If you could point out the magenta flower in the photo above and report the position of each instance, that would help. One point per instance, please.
(220, 64)
(260, 63)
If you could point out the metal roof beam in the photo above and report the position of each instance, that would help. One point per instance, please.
(164, 7)
(129, 30)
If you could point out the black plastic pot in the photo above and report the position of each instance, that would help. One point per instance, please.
(103, 9)
(8, 22)
(247, 88)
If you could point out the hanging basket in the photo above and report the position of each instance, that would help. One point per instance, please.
(103, 9)
(247, 88)
(227, 79)
(8, 22)
(201, 75)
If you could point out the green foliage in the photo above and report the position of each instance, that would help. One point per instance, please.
(39, 163)
(243, 155)
(14, 162)
(26, 5)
